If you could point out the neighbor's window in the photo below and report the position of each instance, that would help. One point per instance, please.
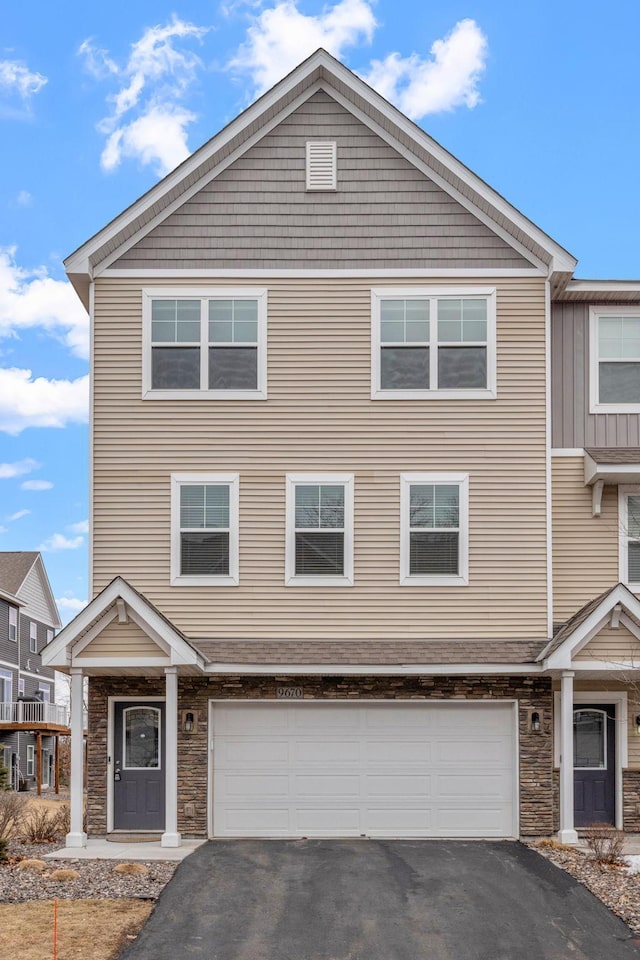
(429, 344)
(30, 760)
(319, 530)
(49, 636)
(615, 359)
(200, 345)
(33, 637)
(434, 529)
(204, 529)
(13, 623)
(629, 516)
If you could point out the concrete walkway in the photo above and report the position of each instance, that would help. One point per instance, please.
(109, 850)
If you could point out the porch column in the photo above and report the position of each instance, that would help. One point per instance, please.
(77, 837)
(567, 832)
(38, 763)
(171, 837)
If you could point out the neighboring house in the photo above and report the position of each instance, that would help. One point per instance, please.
(364, 526)
(30, 719)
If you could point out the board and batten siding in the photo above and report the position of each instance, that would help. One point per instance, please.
(573, 425)
(320, 418)
(258, 214)
(585, 548)
(121, 640)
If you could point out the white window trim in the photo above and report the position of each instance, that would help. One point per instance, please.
(33, 637)
(7, 675)
(416, 293)
(31, 757)
(13, 622)
(233, 482)
(204, 294)
(293, 479)
(461, 480)
(21, 686)
(623, 514)
(594, 359)
(50, 635)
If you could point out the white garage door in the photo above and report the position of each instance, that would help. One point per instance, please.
(327, 769)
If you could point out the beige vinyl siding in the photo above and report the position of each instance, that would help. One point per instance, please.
(320, 418)
(612, 645)
(585, 548)
(614, 685)
(258, 214)
(121, 640)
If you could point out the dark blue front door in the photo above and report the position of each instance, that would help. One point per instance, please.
(594, 761)
(138, 788)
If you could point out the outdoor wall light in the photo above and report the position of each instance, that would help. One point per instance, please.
(638, 723)
(188, 721)
(536, 724)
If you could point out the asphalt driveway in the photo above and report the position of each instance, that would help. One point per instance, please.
(377, 900)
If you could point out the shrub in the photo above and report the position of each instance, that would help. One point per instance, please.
(551, 843)
(131, 869)
(45, 826)
(3, 851)
(13, 810)
(605, 843)
(64, 874)
(33, 866)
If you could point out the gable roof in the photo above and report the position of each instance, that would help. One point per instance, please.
(577, 631)
(15, 568)
(319, 71)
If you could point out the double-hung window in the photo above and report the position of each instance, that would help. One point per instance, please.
(615, 359)
(319, 546)
(33, 637)
(205, 344)
(204, 529)
(13, 623)
(434, 530)
(629, 520)
(433, 343)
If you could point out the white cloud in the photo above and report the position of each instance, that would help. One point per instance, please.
(15, 77)
(3, 529)
(18, 515)
(28, 402)
(81, 527)
(36, 485)
(280, 37)
(59, 542)
(31, 298)
(70, 606)
(445, 80)
(18, 469)
(24, 199)
(146, 120)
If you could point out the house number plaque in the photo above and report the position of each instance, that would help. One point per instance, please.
(289, 693)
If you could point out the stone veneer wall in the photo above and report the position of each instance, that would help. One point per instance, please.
(536, 792)
(631, 800)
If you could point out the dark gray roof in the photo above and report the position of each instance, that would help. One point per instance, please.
(614, 454)
(14, 567)
(369, 652)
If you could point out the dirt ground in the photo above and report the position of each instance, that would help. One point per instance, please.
(87, 929)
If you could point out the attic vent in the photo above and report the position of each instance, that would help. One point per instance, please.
(321, 165)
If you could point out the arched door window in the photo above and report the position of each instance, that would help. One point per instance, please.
(589, 739)
(141, 732)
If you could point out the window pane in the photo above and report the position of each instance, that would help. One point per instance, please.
(204, 554)
(634, 562)
(589, 733)
(449, 331)
(619, 337)
(319, 554)
(474, 330)
(188, 331)
(192, 505)
(633, 516)
(163, 310)
(433, 554)
(221, 331)
(221, 310)
(404, 368)
(417, 311)
(462, 368)
(216, 512)
(417, 331)
(392, 331)
(245, 331)
(233, 368)
(620, 382)
(245, 311)
(307, 505)
(188, 311)
(141, 738)
(449, 310)
(474, 311)
(204, 506)
(392, 310)
(421, 505)
(175, 368)
(332, 506)
(163, 331)
(446, 505)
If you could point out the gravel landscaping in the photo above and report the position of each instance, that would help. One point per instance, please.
(80, 879)
(615, 885)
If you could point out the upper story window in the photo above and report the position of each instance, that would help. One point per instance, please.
(319, 543)
(204, 529)
(49, 636)
(434, 531)
(629, 520)
(13, 624)
(615, 359)
(433, 344)
(33, 637)
(205, 344)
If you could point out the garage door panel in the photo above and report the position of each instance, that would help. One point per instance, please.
(388, 769)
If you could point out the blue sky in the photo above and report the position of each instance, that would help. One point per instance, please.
(96, 102)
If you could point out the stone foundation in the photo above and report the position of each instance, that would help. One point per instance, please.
(536, 787)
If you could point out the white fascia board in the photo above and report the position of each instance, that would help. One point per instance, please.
(56, 622)
(611, 473)
(561, 659)
(78, 262)
(366, 669)
(442, 273)
(603, 286)
(9, 597)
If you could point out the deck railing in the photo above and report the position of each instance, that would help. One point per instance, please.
(31, 711)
